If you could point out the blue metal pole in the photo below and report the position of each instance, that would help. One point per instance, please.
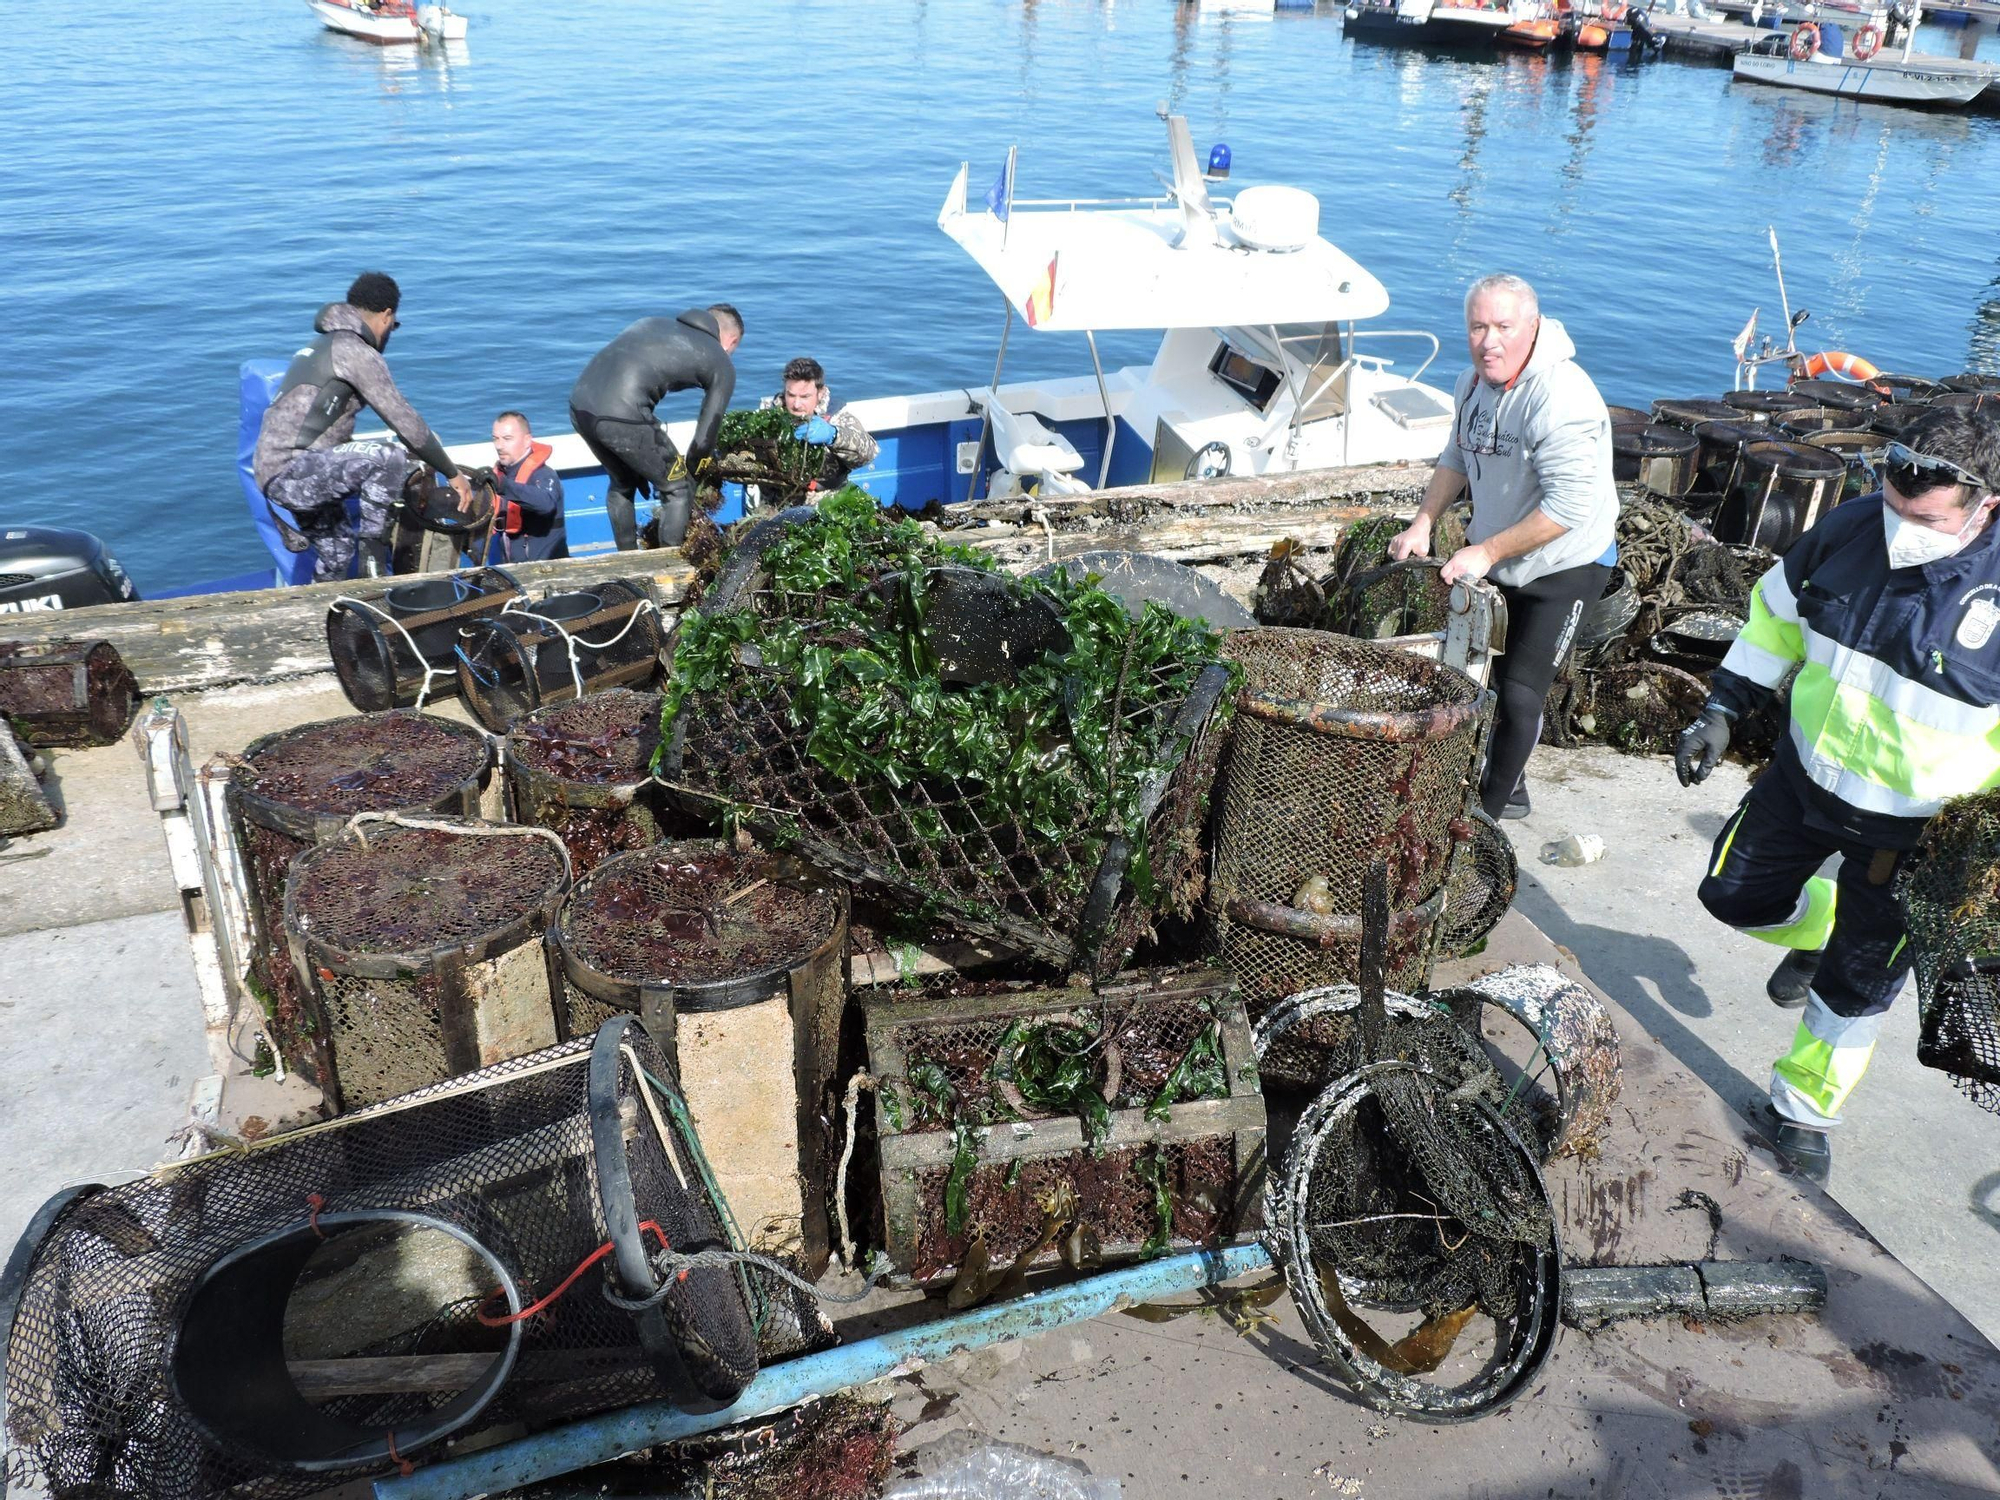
(599, 1439)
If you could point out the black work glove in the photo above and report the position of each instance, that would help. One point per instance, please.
(1701, 745)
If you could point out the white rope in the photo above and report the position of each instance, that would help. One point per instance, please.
(444, 825)
(640, 606)
(861, 1080)
(409, 640)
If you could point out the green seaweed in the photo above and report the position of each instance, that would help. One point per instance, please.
(1054, 1066)
(1198, 1075)
(1151, 1167)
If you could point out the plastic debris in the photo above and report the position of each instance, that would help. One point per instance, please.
(968, 1466)
(1573, 849)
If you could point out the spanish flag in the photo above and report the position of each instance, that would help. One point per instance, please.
(1041, 303)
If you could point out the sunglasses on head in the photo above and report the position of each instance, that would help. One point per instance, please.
(1912, 472)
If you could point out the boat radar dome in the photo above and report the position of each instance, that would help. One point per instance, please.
(1218, 160)
(1275, 218)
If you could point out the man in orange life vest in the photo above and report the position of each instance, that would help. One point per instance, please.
(527, 492)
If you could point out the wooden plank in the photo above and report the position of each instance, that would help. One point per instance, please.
(1190, 1120)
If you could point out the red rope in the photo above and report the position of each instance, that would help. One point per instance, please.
(315, 1202)
(403, 1465)
(490, 1321)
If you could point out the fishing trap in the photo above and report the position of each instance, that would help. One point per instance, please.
(66, 693)
(326, 1305)
(394, 647)
(584, 769)
(1026, 1125)
(418, 945)
(1344, 752)
(737, 965)
(299, 787)
(552, 650)
(1951, 897)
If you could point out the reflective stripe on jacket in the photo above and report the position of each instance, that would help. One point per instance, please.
(1896, 706)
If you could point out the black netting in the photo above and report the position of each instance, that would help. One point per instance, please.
(565, 646)
(392, 648)
(249, 1322)
(1951, 893)
(1481, 887)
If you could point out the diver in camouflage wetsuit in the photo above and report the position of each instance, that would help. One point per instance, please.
(305, 459)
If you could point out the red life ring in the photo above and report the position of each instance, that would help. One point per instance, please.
(1805, 42)
(1867, 42)
(1842, 366)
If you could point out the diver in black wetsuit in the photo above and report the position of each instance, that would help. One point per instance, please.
(612, 406)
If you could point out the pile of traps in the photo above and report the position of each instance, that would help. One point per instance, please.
(758, 447)
(1951, 894)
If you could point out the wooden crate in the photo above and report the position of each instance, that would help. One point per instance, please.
(1211, 1150)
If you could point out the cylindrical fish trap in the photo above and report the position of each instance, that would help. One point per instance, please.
(1784, 488)
(737, 963)
(1951, 896)
(1659, 457)
(1628, 416)
(66, 692)
(1639, 706)
(584, 769)
(1861, 452)
(1972, 381)
(419, 944)
(324, 1305)
(1691, 412)
(393, 648)
(1399, 598)
(1906, 388)
(1696, 641)
(1838, 394)
(1607, 618)
(1764, 406)
(1344, 753)
(1890, 419)
(559, 648)
(1481, 887)
(1810, 421)
(297, 788)
(1554, 1043)
(1967, 400)
(1722, 444)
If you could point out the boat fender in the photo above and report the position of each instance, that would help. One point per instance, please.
(1842, 366)
(1867, 42)
(1805, 42)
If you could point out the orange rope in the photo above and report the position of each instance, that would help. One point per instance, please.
(315, 1202)
(490, 1321)
(403, 1465)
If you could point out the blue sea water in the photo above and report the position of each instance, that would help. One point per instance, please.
(182, 187)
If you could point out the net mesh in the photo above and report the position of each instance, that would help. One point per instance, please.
(1951, 894)
(1481, 887)
(558, 648)
(506, 1156)
(66, 693)
(1375, 766)
(415, 891)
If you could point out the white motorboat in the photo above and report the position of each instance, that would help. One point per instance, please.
(388, 22)
(1860, 72)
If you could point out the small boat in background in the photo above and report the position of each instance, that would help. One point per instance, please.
(389, 22)
(1815, 57)
(1601, 26)
(1543, 26)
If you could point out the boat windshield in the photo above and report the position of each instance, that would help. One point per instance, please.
(1310, 357)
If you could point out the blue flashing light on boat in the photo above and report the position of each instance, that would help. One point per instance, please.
(1218, 160)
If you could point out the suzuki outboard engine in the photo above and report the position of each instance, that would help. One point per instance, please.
(46, 567)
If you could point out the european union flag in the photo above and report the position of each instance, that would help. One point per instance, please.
(998, 195)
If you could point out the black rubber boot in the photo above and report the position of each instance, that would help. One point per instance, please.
(1791, 982)
(673, 503)
(1518, 805)
(374, 555)
(1806, 1151)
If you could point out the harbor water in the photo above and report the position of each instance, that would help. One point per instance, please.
(183, 187)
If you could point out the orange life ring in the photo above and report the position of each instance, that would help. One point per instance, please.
(1805, 42)
(1867, 42)
(1842, 366)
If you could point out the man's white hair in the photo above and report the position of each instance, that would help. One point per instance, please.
(1504, 281)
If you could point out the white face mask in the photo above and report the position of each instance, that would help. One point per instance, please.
(1912, 545)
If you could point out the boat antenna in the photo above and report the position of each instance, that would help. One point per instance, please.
(1784, 301)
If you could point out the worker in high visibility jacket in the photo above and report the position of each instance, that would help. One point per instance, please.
(1889, 612)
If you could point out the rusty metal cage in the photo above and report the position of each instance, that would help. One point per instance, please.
(1344, 752)
(1168, 1148)
(1951, 895)
(298, 1312)
(584, 769)
(552, 650)
(952, 845)
(737, 964)
(418, 945)
(297, 788)
(393, 647)
(66, 692)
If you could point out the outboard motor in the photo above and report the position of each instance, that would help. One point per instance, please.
(1648, 36)
(46, 567)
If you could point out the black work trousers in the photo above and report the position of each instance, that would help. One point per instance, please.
(1542, 616)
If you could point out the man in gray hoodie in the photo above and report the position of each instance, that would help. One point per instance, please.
(304, 459)
(1532, 440)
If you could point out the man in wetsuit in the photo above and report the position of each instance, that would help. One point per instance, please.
(804, 395)
(305, 459)
(527, 492)
(612, 406)
(1531, 439)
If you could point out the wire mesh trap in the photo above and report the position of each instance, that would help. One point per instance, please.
(1951, 896)
(1344, 752)
(1017, 757)
(1782, 489)
(1636, 706)
(1029, 1126)
(1555, 1047)
(393, 647)
(737, 963)
(298, 787)
(551, 650)
(1658, 457)
(1838, 394)
(61, 693)
(317, 1307)
(421, 952)
(1480, 888)
(584, 769)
